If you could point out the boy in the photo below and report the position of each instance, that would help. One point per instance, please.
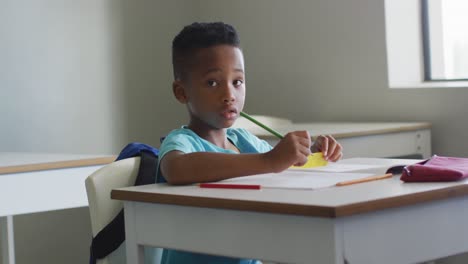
(209, 79)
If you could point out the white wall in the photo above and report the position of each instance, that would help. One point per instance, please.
(56, 76)
(83, 76)
(89, 76)
(86, 76)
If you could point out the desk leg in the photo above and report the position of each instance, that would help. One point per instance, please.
(7, 242)
(135, 252)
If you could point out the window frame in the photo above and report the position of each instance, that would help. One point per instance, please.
(405, 52)
(430, 36)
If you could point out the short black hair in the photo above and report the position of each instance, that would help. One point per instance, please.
(198, 36)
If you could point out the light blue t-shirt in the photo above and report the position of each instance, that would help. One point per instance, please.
(185, 140)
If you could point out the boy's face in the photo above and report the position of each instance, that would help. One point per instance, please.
(214, 89)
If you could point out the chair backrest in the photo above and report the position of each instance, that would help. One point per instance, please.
(102, 208)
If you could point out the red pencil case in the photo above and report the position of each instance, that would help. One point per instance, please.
(436, 169)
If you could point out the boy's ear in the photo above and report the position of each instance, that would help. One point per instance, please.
(179, 91)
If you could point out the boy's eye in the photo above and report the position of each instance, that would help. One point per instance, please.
(212, 83)
(238, 82)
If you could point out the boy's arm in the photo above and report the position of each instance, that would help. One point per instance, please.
(180, 168)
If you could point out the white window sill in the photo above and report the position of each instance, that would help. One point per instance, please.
(441, 84)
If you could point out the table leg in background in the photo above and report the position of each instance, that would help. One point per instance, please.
(7, 242)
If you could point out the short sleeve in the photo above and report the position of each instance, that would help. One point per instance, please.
(176, 140)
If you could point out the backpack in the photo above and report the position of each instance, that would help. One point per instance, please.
(113, 234)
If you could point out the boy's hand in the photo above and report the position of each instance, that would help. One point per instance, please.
(293, 149)
(331, 149)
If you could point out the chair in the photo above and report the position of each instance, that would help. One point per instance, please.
(103, 209)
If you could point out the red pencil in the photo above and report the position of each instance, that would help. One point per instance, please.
(230, 186)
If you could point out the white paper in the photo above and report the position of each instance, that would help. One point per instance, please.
(291, 179)
(339, 167)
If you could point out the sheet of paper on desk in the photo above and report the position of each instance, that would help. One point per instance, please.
(338, 167)
(292, 179)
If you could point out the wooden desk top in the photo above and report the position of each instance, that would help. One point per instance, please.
(342, 129)
(15, 162)
(329, 202)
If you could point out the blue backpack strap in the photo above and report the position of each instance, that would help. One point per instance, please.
(113, 234)
(134, 149)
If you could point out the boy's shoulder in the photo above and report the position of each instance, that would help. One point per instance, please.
(179, 133)
(184, 134)
(239, 131)
(188, 132)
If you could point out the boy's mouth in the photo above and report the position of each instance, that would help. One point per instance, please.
(229, 113)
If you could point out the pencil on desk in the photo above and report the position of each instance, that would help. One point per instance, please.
(367, 179)
(255, 121)
(229, 186)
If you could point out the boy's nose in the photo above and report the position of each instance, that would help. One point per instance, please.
(229, 95)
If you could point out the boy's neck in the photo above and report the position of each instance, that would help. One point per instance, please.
(215, 136)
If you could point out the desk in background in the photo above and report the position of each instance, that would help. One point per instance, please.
(384, 221)
(376, 140)
(32, 182)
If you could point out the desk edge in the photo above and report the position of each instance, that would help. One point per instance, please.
(403, 200)
(196, 201)
(57, 165)
(412, 128)
(293, 209)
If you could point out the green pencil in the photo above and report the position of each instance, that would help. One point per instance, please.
(255, 121)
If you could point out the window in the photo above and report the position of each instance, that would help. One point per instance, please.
(405, 48)
(445, 39)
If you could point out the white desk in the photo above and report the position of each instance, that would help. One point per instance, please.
(31, 183)
(377, 140)
(385, 221)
